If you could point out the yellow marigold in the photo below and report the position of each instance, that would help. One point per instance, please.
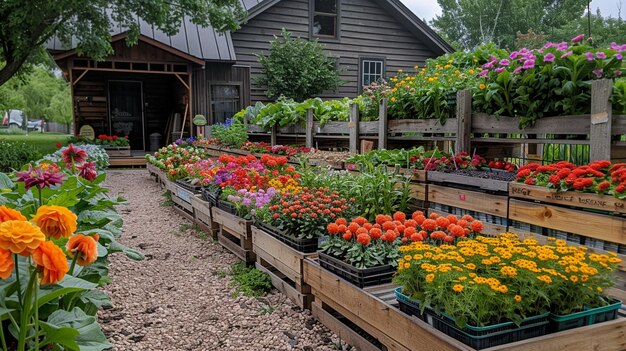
(503, 289)
(407, 265)
(417, 257)
(393, 99)
(544, 278)
(20, 237)
(458, 288)
(430, 277)
(51, 262)
(9, 214)
(599, 289)
(56, 221)
(573, 278)
(508, 271)
(482, 86)
(408, 257)
(518, 298)
(6, 264)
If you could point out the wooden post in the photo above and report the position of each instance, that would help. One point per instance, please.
(601, 120)
(464, 120)
(309, 128)
(273, 135)
(382, 125)
(353, 125)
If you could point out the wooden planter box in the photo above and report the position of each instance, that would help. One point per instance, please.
(284, 265)
(182, 200)
(117, 151)
(490, 209)
(203, 217)
(350, 311)
(152, 170)
(234, 233)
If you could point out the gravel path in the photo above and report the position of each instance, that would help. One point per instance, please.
(177, 299)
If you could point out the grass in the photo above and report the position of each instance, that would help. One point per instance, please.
(44, 142)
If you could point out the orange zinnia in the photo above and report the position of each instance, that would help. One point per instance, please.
(56, 221)
(6, 264)
(85, 247)
(51, 262)
(9, 214)
(20, 237)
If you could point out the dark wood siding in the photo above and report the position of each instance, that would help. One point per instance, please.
(218, 73)
(366, 30)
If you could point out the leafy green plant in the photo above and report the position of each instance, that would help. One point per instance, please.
(250, 281)
(297, 68)
(14, 154)
(12, 131)
(231, 133)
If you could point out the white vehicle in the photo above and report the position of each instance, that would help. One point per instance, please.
(15, 119)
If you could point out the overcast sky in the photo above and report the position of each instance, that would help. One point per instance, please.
(427, 9)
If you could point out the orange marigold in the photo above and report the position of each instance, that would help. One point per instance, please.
(6, 264)
(85, 247)
(360, 220)
(20, 237)
(476, 226)
(51, 262)
(9, 214)
(399, 216)
(55, 221)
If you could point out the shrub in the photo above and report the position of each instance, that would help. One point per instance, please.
(297, 68)
(250, 281)
(13, 154)
(12, 131)
(231, 133)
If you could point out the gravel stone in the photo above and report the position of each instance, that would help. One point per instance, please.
(177, 298)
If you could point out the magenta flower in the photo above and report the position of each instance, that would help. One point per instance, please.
(87, 170)
(597, 72)
(499, 70)
(562, 46)
(618, 56)
(549, 57)
(514, 55)
(483, 72)
(528, 64)
(488, 65)
(517, 70)
(569, 53)
(504, 62)
(578, 38)
(601, 55)
(36, 176)
(589, 56)
(74, 155)
(549, 45)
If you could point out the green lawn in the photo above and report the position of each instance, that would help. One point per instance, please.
(45, 142)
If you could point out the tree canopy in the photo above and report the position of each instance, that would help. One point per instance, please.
(27, 25)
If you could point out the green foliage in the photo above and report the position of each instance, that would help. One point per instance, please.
(12, 131)
(232, 134)
(13, 154)
(604, 30)
(619, 96)
(45, 143)
(250, 281)
(27, 24)
(297, 68)
(249, 112)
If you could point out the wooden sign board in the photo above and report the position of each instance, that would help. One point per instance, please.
(86, 131)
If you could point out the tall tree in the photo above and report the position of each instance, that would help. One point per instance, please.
(475, 22)
(27, 25)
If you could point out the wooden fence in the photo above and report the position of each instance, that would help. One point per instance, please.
(599, 132)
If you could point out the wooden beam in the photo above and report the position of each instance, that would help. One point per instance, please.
(464, 120)
(80, 77)
(189, 87)
(354, 129)
(309, 128)
(601, 120)
(383, 125)
(185, 84)
(126, 70)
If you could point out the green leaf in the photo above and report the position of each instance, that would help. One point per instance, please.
(73, 282)
(61, 335)
(90, 337)
(47, 295)
(5, 181)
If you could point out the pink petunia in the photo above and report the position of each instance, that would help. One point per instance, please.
(483, 72)
(549, 57)
(601, 55)
(578, 38)
(589, 56)
(618, 56)
(598, 72)
(528, 64)
(569, 53)
(499, 69)
(517, 70)
(504, 62)
(514, 55)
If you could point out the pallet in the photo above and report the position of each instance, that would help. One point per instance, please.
(202, 216)
(474, 200)
(374, 311)
(234, 234)
(478, 183)
(119, 151)
(284, 264)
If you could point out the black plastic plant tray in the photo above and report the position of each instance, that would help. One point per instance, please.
(227, 206)
(359, 277)
(196, 189)
(302, 245)
(211, 196)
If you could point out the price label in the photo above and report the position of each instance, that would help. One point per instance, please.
(184, 195)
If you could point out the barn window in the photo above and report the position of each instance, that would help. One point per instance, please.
(325, 18)
(225, 101)
(372, 70)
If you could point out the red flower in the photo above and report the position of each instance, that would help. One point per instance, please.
(74, 155)
(58, 144)
(364, 239)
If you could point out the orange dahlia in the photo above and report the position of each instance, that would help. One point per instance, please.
(85, 247)
(56, 221)
(9, 214)
(51, 262)
(6, 264)
(20, 237)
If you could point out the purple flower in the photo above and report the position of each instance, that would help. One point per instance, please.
(598, 72)
(562, 46)
(578, 38)
(517, 70)
(504, 62)
(87, 170)
(569, 53)
(528, 64)
(483, 72)
(36, 176)
(549, 57)
(514, 55)
(549, 45)
(499, 69)
(492, 58)
(488, 65)
(589, 56)
(601, 55)
(618, 56)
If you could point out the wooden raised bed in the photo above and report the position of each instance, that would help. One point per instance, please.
(117, 151)
(182, 200)
(202, 216)
(341, 306)
(284, 265)
(234, 233)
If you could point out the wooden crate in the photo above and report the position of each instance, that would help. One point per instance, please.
(234, 233)
(117, 151)
(284, 265)
(374, 311)
(203, 217)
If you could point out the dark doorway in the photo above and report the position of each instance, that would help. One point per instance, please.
(126, 112)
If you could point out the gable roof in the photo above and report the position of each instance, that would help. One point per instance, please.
(207, 44)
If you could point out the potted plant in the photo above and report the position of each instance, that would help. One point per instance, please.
(114, 145)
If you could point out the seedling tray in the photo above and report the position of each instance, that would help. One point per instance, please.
(359, 277)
